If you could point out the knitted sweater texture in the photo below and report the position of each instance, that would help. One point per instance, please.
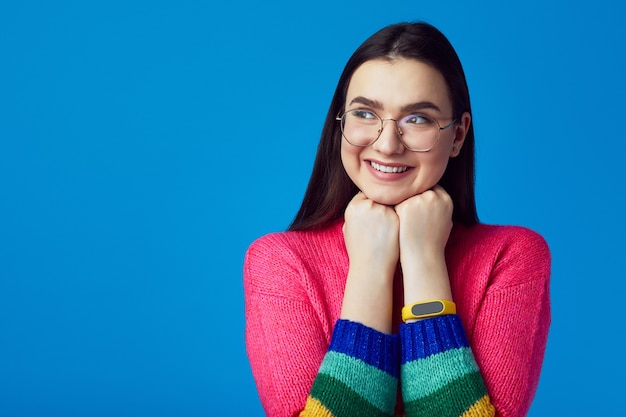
(483, 361)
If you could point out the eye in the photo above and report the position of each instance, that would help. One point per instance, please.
(417, 119)
(364, 114)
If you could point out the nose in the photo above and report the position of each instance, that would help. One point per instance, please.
(389, 140)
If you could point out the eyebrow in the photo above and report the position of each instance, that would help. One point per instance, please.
(375, 104)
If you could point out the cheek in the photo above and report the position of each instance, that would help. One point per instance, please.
(436, 167)
(430, 167)
(350, 159)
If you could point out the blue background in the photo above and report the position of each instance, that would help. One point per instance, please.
(145, 145)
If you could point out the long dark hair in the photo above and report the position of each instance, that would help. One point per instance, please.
(330, 189)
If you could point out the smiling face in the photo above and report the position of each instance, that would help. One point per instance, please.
(386, 171)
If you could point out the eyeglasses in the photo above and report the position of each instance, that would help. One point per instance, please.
(418, 133)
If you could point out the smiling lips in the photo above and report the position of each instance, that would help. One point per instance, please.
(388, 169)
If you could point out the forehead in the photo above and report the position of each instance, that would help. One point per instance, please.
(399, 82)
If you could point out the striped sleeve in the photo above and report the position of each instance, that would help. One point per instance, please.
(439, 375)
(358, 376)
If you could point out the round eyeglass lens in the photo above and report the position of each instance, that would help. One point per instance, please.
(361, 127)
(419, 132)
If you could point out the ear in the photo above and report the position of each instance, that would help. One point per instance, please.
(460, 131)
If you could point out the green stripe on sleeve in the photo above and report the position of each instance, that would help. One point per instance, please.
(450, 401)
(342, 401)
(425, 376)
(369, 382)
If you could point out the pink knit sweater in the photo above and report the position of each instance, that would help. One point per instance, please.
(294, 284)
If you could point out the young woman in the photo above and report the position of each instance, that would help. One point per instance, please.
(387, 296)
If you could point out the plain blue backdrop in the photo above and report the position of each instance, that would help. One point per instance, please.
(145, 144)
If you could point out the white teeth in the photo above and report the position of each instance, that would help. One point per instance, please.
(383, 168)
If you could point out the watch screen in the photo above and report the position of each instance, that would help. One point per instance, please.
(431, 307)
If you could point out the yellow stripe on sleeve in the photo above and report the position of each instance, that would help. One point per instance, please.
(481, 408)
(314, 408)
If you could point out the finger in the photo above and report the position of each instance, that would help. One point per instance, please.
(443, 196)
(359, 196)
(440, 191)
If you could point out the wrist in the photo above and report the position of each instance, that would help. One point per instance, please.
(426, 280)
(372, 272)
(423, 252)
(367, 300)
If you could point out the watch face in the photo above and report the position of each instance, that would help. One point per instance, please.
(432, 307)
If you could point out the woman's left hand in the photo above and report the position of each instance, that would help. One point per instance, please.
(425, 221)
(425, 226)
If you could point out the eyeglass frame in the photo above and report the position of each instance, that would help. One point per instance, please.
(399, 131)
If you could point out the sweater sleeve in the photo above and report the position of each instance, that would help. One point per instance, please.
(358, 376)
(297, 369)
(438, 372)
(511, 328)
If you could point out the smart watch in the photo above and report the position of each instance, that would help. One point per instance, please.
(425, 309)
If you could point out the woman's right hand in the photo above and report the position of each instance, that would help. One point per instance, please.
(371, 232)
(371, 236)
